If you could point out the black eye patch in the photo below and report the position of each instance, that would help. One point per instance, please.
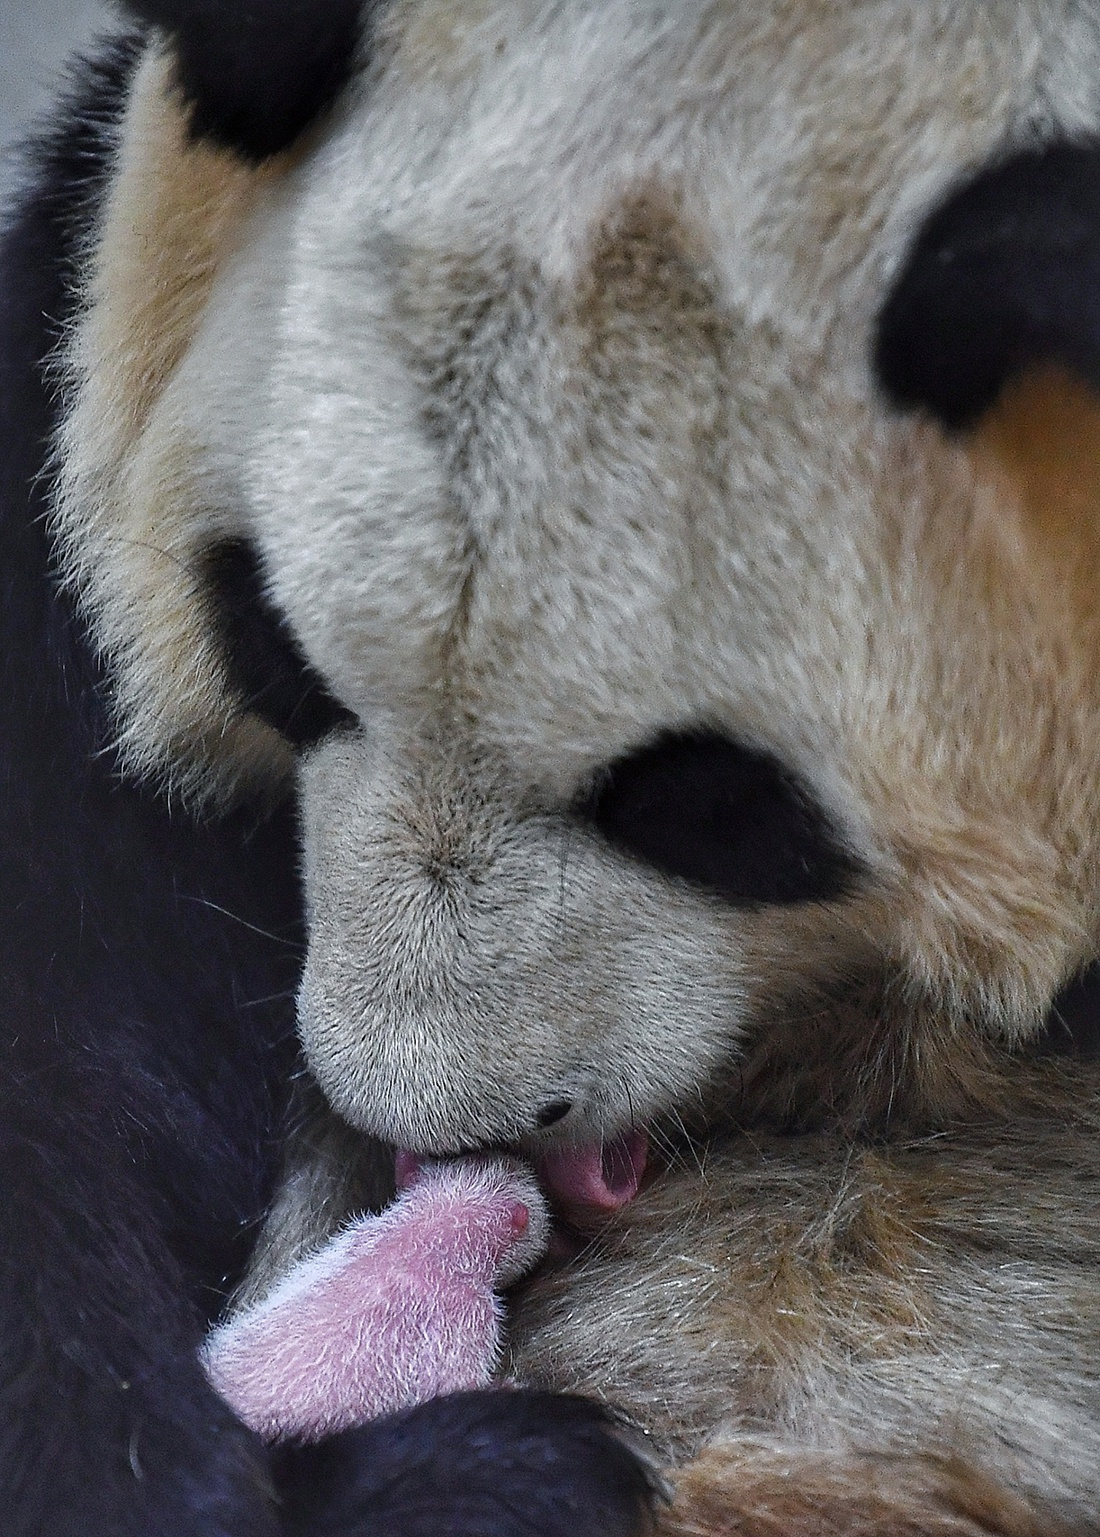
(1004, 275)
(267, 668)
(722, 816)
(255, 73)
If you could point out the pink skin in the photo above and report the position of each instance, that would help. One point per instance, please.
(596, 1178)
(582, 1181)
(396, 1310)
(403, 1306)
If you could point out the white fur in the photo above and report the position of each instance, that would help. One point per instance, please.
(541, 382)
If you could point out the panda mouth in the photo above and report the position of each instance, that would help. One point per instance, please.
(580, 1181)
(594, 1178)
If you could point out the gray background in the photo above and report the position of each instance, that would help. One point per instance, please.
(35, 38)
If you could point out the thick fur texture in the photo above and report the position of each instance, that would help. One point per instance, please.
(495, 1464)
(571, 391)
(255, 77)
(147, 1016)
(356, 377)
(927, 1302)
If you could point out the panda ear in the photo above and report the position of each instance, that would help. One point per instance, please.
(256, 73)
(1004, 276)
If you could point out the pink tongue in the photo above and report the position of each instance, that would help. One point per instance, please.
(406, 1166)
(598, 1177)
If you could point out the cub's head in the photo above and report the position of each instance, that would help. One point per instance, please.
(636, 467)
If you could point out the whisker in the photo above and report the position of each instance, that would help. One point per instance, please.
(215, 907)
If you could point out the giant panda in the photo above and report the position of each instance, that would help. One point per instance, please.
(606, 491)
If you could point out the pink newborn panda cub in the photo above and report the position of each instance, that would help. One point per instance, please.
(404, 1306)
(398, 1308)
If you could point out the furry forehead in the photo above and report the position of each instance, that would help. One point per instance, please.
(630, 424)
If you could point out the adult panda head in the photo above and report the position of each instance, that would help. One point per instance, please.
(636, 466)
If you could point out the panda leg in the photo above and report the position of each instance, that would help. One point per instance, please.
(107, 1428)
(763, 1489)
(490, 1464)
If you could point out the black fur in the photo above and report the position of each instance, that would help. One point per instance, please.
(145, 1015)
(148, 966)
(265, 662)
(1073, 1023)
(495, 1464)
(1005, 274)
(256, 74)
(722, 816)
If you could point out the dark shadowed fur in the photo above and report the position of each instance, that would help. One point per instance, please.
(498, 1465)
(147, 1022)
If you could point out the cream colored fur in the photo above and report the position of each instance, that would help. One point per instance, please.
(540, 379)
(933, 1295)
(132, 517)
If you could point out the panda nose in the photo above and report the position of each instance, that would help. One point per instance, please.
(552, 1113)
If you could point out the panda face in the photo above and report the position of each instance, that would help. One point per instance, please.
(673, 709)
